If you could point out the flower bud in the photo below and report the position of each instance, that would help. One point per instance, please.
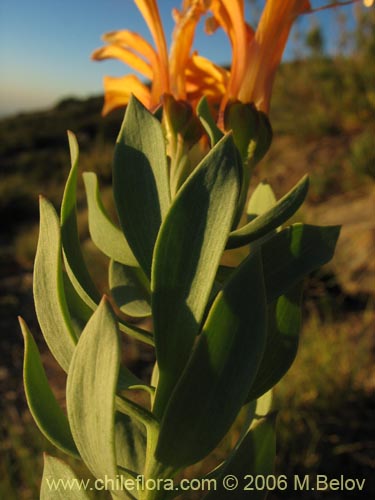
(251, 130)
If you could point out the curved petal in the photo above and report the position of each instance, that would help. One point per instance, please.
(126, 56)
(183, 36)
(119, 89)
(133, 41)
(205, 77)
(229, 14)
(150, 13)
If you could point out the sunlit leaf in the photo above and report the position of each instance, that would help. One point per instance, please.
(270, 219)
(74, 261)
(130, 289)
(48, 287)
(104, 233)
(59, 482)
(90, 393)
(140, 181)
(47, 413)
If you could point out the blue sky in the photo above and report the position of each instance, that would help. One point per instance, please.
(45, 46)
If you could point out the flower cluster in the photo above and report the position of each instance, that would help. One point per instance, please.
(188, 76)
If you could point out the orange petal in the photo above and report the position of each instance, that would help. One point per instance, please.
(229, 14)
(183, 36)
(119, 89)
(134, 41)
(150, 13)
(126, 56)
(266, 48)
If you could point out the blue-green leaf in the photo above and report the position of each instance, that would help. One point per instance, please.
(293, 253)
(90, 393)
(283, 328)
(187, 253)
(208, 122)
(261, 201)
(222, 367)
(59, 482)
(79, 311)
(42, 403)
(130, 443)
(140, 181)
(49, 295)
(130, 289)
(74, 261)
(272, 218)
(104, 233)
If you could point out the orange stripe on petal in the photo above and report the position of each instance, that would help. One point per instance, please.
(150, 13)
(183, 36)
(119, 89)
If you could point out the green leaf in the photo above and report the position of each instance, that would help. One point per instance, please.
(74, 261)
(261, 201)
(186, 258)
(130, 443)
(104, 233)
(223, 365)
(130, 290)
(42, 403)
(283, 328)
(208, 122)
(49, 295)
(59, 482)
(90, 393)
(79, 311)
(134, 410)
(293, 253)
(272, 218)
(255, 456)
(140, 181)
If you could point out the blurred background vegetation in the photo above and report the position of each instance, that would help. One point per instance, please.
(323, 119)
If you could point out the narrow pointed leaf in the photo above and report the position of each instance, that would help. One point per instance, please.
(48, 287)
(130, 290)
(215, 382)
(296, 250)
(293, 253)
(254, 457)
(208, 122)
(74, 261)
(79, 311)
(140, 180)
(283, 328)
(134, 410)
(187, 254)
(130, 443)
(90, 394)
(261, 201)
(46, 411)
(56, 475)
(104, 233)
(271, 219)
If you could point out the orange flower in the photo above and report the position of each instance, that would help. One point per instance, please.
(183, 74)
(188, 76)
